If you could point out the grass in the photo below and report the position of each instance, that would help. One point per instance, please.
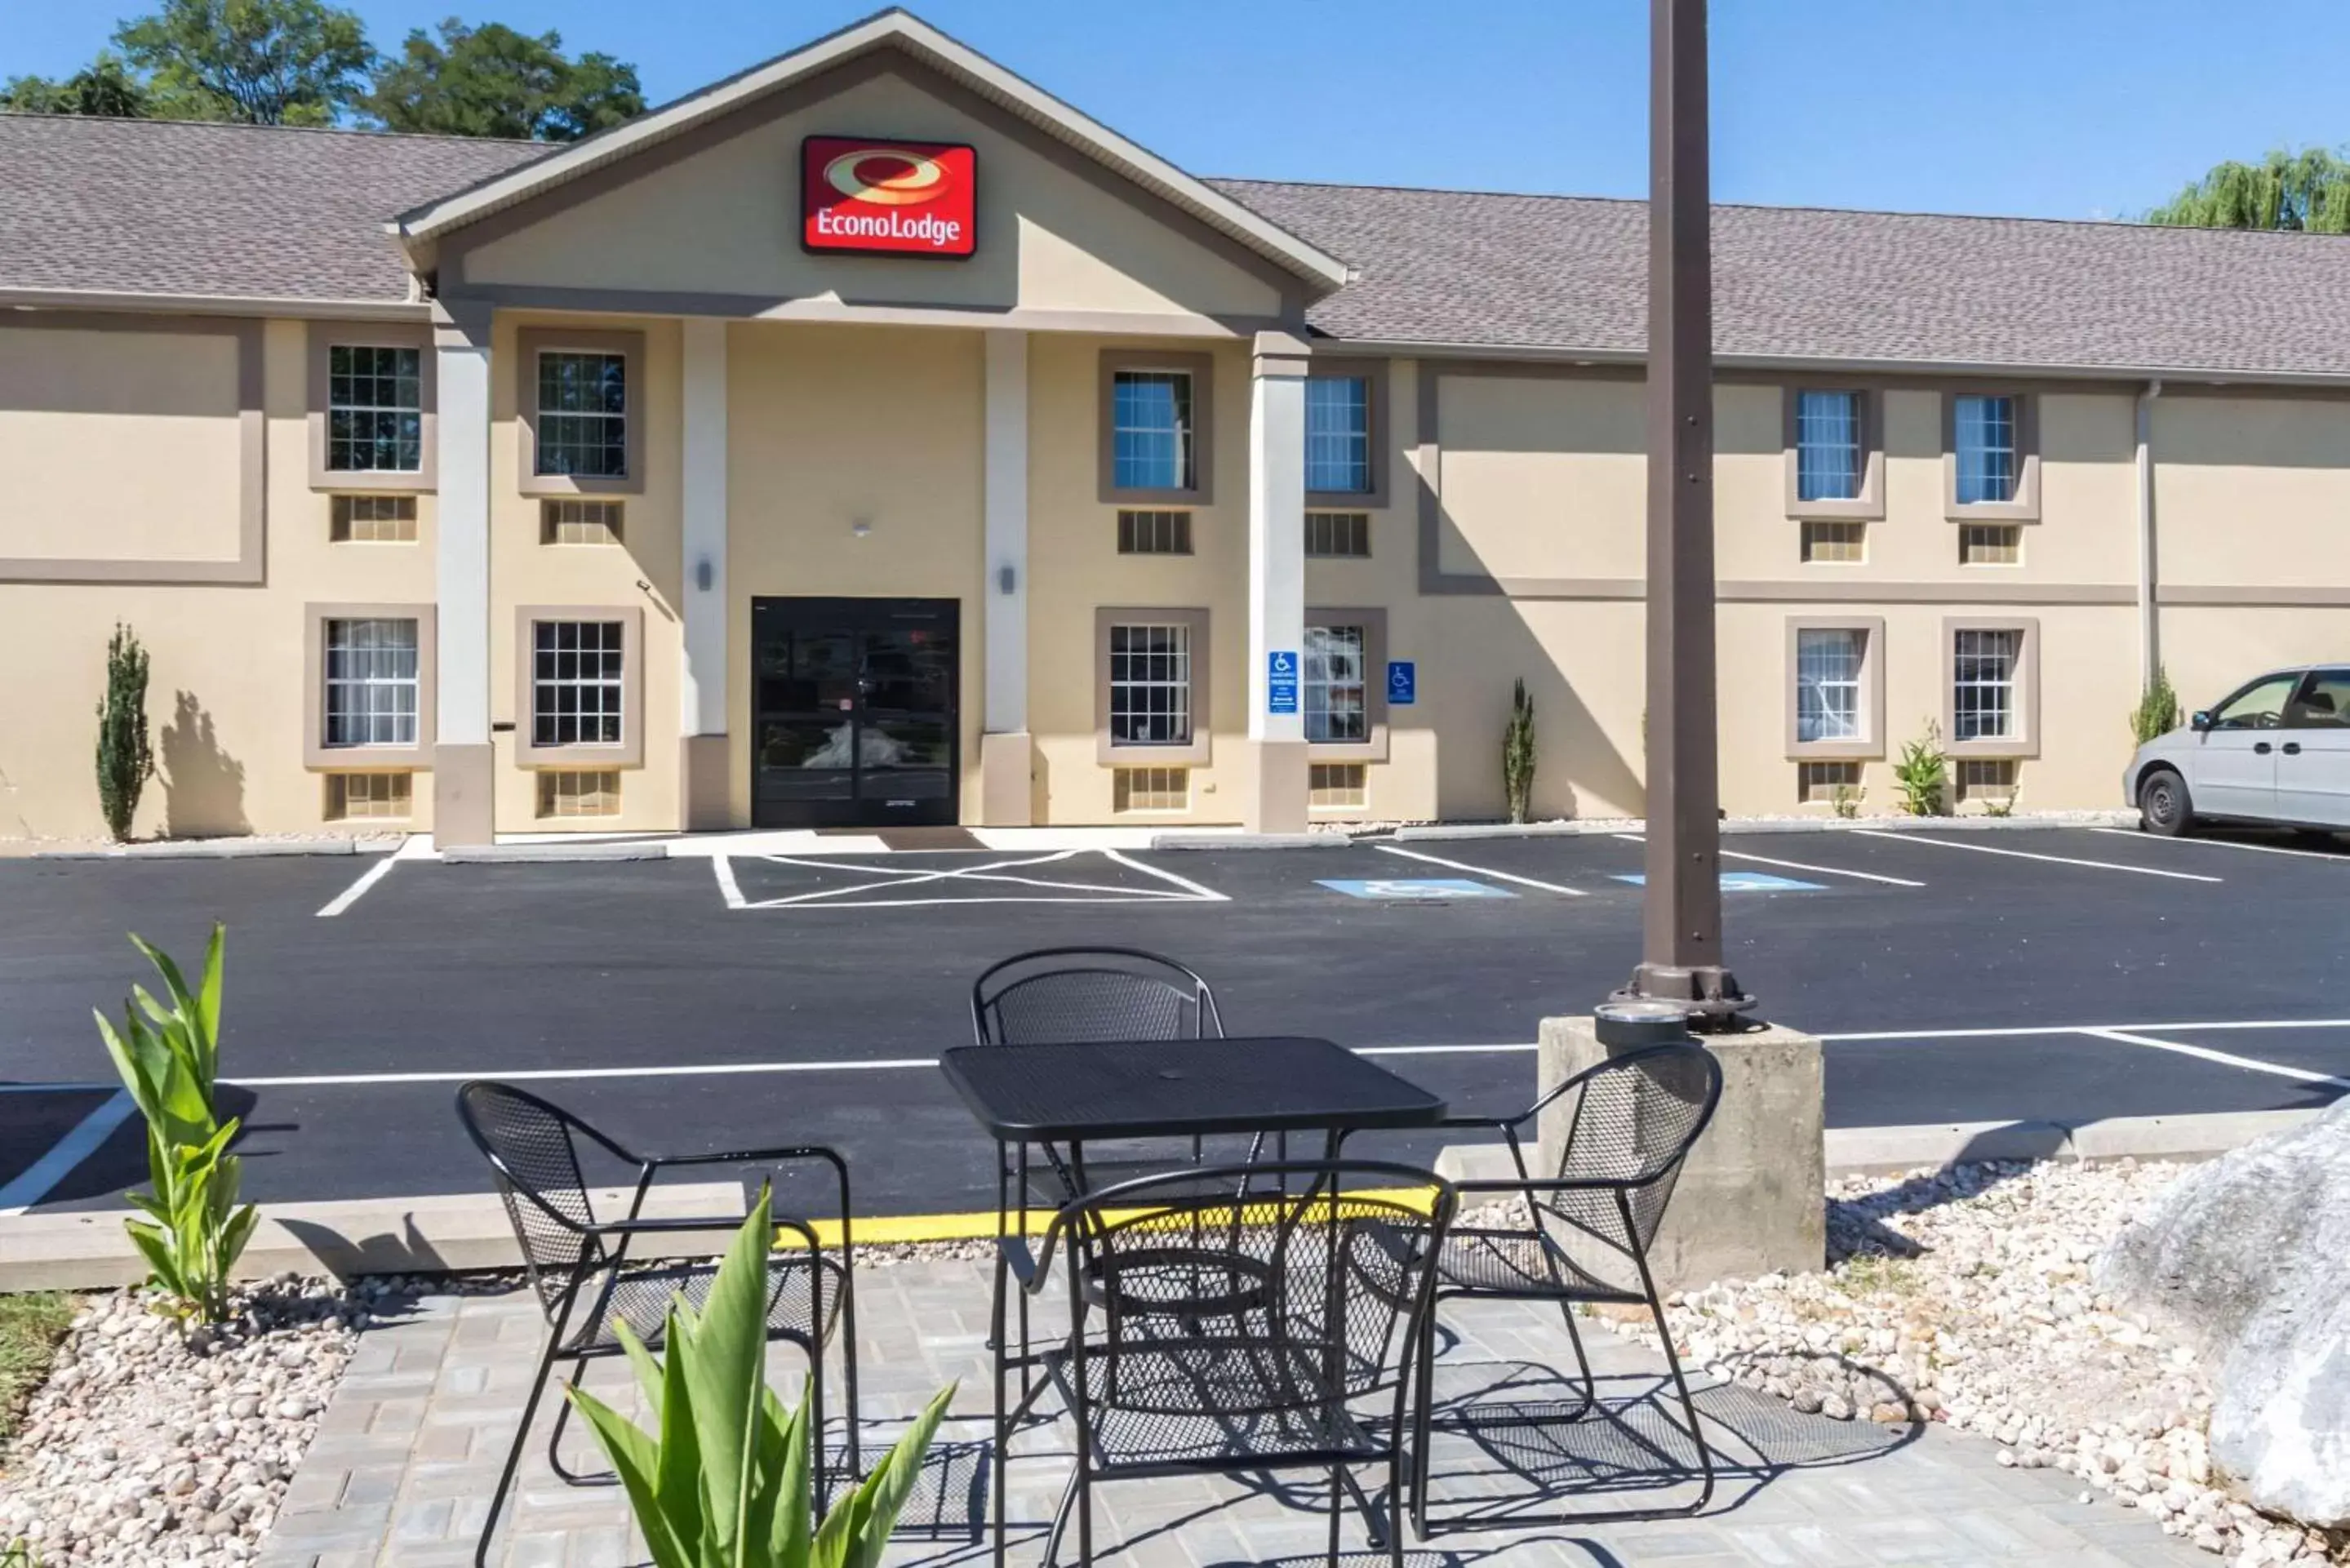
(30, 1327)
(1872, 1273)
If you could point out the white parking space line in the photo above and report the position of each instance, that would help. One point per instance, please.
(415, 847)
(1800, 865)
(883, 878)
(1484, 871)
(2225, 1058)
(33, 1182)
(2028, 855)
(2230, 844)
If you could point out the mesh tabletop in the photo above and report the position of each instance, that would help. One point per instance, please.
(1176, 1088)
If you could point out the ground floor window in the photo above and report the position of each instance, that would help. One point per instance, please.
(1990, 544)
(359, 796)
(573, 521)
(1837, 543)
(579, 792)
(1344, 535)
(1150, 789)
(576, 682)
(1986, 778)
(1154, 532)
(1337, 703)
(1828, 661)
(372, 520)
(1150, 685)
(1827, 784)
(1336, 786)
(371, 683)
(1982, 684)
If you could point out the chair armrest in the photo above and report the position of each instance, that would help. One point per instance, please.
(745, 1157)
(1536, 1184)
(688, 1225)
(1494, 1123)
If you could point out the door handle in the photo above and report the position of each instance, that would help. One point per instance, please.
(2261, 748)
(2292, 748)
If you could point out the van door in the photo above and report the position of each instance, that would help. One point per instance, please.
(2313, 779)
(2233, 772)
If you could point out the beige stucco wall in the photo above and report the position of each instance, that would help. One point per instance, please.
(2253, 491)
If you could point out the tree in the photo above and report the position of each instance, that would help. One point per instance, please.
(2306, 189)
(495, 81)
(125, 759)
(104, 87)
(266, 62)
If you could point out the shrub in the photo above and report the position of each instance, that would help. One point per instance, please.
(1518, 755)
(169, 1059)
(1845, 801)
(125, 759)
(1923, 774)
(2157, 712)
(725, 1478)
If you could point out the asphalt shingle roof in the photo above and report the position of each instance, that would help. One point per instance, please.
(243, 211)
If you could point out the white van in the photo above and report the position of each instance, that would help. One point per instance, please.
(2276, 751)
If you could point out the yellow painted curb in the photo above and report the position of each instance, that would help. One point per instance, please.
(912, 1229)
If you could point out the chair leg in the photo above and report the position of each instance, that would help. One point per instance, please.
(1337, 1508)
(1582, 1363)
(848, 1369)
(514, 1450)
(1689, 1405)
(822, 1472)
(1002, 1456)
(1423, 1423)
(1061, 1522)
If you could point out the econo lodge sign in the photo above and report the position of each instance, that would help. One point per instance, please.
(896, 198)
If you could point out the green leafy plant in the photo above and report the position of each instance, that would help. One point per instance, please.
(1518, 755)
(724, 1479)
(1923, 774)
(126, 760)
(1845, 801)
(169, 1060)
(2157, 712)
(2001, 805)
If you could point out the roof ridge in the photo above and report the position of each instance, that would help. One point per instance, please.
(357, 132)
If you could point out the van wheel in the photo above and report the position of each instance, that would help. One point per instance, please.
(2163, 804)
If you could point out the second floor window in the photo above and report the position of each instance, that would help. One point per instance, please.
(1984, 429)
(1828, 446)
(375, 410)
(583, 415)
(1150, 430)
(1338, 434)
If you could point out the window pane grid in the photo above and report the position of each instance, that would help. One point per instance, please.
(372, 520)
(575, 683)
(1151, 430)
(355, 796)
(571, 522)
(1986, 778)
(1337, 708)
(1154, 532)
(1828, 684)
(1335, 787)
(1819, 783)
(1990, 544)
(1984, 685)
(1338, 533)
(1841, 543)
(370, 683)
(1828, 446)
(375, 410)
(1986, 455)
(594, 792)
(1151, 789)
(1338, 434)
(583, 415)
(1150, 685)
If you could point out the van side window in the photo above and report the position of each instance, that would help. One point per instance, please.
(2260, 706)
(2324, 702)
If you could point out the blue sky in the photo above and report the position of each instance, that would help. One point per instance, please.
(2046, 107)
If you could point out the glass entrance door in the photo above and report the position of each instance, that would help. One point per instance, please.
(854, 713)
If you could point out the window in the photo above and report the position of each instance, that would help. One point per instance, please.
(569, 522)
(2323, 703)
(1990, 545)
(576, 682)
(1335, 787)
(1154, 532)
(352, 797)
(1151, 430)
(372, 520)
(582, 430)
(1827, 784)
(2260, 706)
(1835, 543)
(1985, 435)
(1984, 665)
(1828, 453)
(1985, 778)
(569, 792)
(372, 683)
(1338, 533)
(375, 410)
(1338, 434)
(1150, 789)
(1829, 665)
(1150, 685)
(1336, 702)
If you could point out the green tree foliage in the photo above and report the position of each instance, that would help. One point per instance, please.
(104, 87)
(2157, 712)
(126, 759)
(264, 62)
(2306, 189)
(1518, 755)
(491, 80)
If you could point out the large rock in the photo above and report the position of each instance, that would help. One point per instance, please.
(2247, 1259)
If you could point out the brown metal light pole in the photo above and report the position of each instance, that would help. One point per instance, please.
(1681, 927)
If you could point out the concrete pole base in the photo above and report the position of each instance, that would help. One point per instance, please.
(1750, 1200)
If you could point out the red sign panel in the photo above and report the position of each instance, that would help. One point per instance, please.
(897, 198)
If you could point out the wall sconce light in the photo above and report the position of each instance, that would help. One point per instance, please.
(704, 574)
(860, 528)
(1007, 578)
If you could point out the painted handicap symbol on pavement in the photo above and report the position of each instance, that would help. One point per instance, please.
(1746, 882)
(1425, 889)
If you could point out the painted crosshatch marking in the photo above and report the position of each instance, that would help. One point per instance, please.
(1745, 882)
(583, 414)
(375, 410)
(1410, 889)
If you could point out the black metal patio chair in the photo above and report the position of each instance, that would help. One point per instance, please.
(1584, 1234)
(1248, 1333)
(589, 1285)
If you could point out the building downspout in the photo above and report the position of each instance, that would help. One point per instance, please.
(2149, 641)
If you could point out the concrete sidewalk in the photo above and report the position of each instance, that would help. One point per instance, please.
(406, 1457)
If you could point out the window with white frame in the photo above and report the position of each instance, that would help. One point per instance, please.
(576, 682)
(1151, 430)
(1828, 457)
(1984, 667)
(1338, 434)
(1829, 665)
(1150, 685)
(582, 429)
(375, 410)
(1984, 429)
(371, 685)
(1336, 702)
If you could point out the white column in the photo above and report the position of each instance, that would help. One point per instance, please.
(463, 766)
(1276, 584)
(1006, 505)
(702, 697)
(2150, 626)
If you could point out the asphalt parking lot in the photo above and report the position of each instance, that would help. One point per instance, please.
(731, 999)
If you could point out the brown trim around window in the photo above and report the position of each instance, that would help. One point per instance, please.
(319, 756)
(327, 336)
(2025, 507)
(2026, 743)
(1868, 507)
(530, 342)
(1196, 753)
(1373, 373)
(1871, 744)
(630, 751)
(1374, 622)
(1202, 369)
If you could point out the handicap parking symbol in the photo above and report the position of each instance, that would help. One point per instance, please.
(1412, 887)
(1746, 882)
(1281, 680)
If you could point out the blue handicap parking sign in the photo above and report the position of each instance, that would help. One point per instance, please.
(1748, 882)
(1416, 887)
(1403, 683)
(1281, 680)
